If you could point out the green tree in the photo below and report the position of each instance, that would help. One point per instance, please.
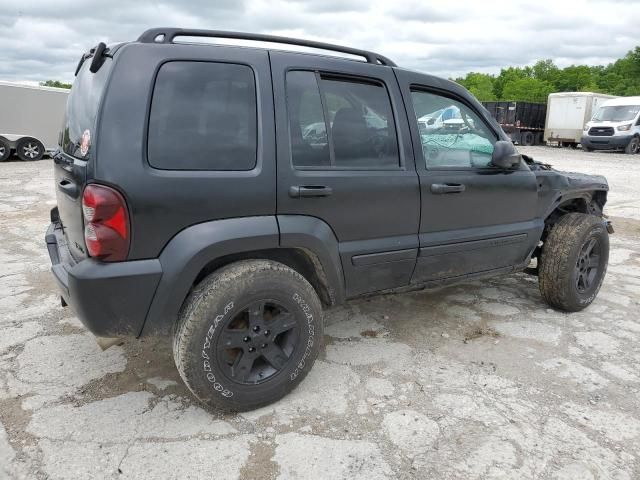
(527, 90)
(508, 75)
(534, 83)
(546, 70)
(55, 83)
(480, 85)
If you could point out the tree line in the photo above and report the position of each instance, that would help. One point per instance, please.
(535, 83)
(55, 83)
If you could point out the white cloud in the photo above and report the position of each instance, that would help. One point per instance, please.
(43, 39)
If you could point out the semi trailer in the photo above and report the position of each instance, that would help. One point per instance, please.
(522, 121)
(567, 115)
(30, 119)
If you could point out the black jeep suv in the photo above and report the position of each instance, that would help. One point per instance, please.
(225, 195)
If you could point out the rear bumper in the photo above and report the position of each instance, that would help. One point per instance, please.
(111, 299)
(605, 143)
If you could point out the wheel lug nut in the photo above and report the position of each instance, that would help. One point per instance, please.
(245, 339)
(256, 328)
(267, 332)
(252, 349)
(264, 345)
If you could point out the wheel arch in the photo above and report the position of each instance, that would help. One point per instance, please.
(201, 249)
(588, 201)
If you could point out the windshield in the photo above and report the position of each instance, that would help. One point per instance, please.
(618, 113)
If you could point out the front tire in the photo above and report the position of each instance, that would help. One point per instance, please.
(633, 147)
(30, 149)
(574, 261)
(248, 334)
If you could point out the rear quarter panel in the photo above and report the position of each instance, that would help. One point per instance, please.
(164, 202)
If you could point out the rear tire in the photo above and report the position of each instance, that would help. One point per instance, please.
(248, 334)
(30, 149)
(5, 151)
(574, 261)
(633, 147)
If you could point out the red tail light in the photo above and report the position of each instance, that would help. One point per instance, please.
(106, 223)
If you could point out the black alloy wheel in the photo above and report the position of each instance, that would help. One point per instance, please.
(587, 266)
(257, 343)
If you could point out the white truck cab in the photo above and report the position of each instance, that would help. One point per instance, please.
(614, 126)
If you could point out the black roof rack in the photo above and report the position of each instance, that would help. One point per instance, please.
(167, 35)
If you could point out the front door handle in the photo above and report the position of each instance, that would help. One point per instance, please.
(310, 191)
(439, 188)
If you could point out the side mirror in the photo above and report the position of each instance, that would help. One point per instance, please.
(505, 155)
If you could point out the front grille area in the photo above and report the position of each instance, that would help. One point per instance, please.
(601, 131)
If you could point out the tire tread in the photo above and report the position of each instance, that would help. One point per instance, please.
(554, 269)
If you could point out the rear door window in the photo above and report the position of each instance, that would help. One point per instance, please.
(203, 117)
(340, 122)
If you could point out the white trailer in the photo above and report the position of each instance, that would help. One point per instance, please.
(568, 113)
(30, 119)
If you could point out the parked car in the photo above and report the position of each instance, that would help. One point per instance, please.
(30, 120)
(567, 113)
(614, 126)
(193, 201)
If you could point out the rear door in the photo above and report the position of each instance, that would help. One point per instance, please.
(72, 159)
(475, 217)
(344, 156)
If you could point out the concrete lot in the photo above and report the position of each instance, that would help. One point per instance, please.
(476, 381)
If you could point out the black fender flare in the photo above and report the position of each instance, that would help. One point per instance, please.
(563, 197)
(316, 236)
(186, 254)
(189, 251)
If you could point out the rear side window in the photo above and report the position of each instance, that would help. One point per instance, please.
(340, 123)
(203, 117)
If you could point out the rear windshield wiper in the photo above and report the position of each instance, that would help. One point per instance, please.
(98, 53)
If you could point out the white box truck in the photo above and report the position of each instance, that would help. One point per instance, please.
(568, 113)
(30, 119)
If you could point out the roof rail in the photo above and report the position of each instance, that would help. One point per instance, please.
(167, 35)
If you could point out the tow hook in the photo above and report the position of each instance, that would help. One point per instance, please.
(609, 226)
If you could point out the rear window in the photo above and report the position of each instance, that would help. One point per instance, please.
(203, 117)
(82, 108)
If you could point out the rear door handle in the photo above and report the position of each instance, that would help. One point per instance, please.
(69, 188)
(309, 191)
(440, 188)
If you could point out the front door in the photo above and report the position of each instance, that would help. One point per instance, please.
(475, 217)
(344, 157)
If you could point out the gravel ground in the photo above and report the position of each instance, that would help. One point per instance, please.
(475, 381)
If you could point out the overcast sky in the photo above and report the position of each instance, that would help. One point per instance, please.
(44, 39)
